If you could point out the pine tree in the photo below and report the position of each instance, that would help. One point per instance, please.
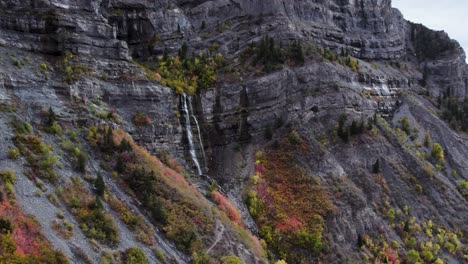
(343, 132)
(109, 140)
(159, 212)
(124, 146)
(203, 25)
(97, 204)
(183, 51)
(51, 117)
(354, 128)
(120, 166)
(82, 159)
(99, 185)
(376, 168)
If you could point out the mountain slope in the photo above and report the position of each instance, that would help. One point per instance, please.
(335, 130)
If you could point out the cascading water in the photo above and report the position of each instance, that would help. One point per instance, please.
(202, 149)
(200, 140)
(188, 128)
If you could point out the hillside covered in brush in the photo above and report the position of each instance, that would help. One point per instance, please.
(230, 131)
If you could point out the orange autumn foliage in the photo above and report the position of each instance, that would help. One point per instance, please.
(290, 224)
(226, 206)
(26, 230)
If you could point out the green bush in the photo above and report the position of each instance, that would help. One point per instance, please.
(231, 260)
(437, 152)
(413, 257)
(295, 138)
(462, 187)
(13, 153)
(8, 176)
(160, 256)
(135, 256)
(186, 75)
(405, 125)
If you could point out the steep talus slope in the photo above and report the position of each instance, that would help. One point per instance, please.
(95, 63)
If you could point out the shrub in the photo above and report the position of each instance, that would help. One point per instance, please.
(413, 257)
(140, 119)
(427, 256)
(186, 75)
(462, 187)
(13, 153)
(88, 211)
(8, 176)
(231, 260)
(294, 138)
(427, 140)
(160, 256)
(405, 125)
(135, 256)
(226, 206)
(437, 152)
(288, 206)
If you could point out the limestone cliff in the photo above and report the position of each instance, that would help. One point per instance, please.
(374, 189)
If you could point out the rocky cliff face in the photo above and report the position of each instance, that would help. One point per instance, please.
(88, 60)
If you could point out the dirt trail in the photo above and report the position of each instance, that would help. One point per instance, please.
(219, 233)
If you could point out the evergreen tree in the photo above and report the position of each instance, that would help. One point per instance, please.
(377, 167)
(51, 117)
(183, 51)
(360, 241)
(82, 158)
(159, 212)
(203, 25)
(297, 53)
(343, 132)
(165, 55)
(120, 165)
(109, 140)
(125, 146)
(99, 185)
(354, 129)
(97, 204)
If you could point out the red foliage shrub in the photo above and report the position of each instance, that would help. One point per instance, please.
(260, 169)
(125, 157)
(226, 206)
(140, 119)
(26, 231)
(290, 224)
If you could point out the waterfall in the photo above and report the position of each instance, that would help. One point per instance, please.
(188, 128)
(202, 149)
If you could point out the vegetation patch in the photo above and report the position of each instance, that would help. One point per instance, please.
(177, 207)
(136, 222)
(270, 56)
(38, 154)
(186, 74)
(20, 237)
(287, 204)
(89, 212)
(424, 241)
